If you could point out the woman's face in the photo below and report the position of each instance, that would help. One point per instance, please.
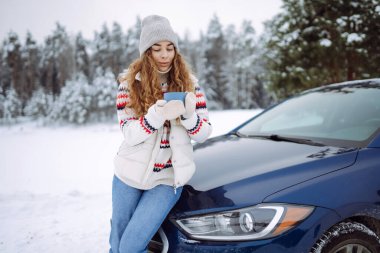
(163, 54)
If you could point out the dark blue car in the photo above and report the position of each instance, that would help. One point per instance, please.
(302, 176)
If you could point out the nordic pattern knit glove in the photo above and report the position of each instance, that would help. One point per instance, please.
(190, 103)
(170, 110)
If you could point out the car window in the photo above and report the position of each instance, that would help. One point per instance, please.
(293, 116)
(340, 113)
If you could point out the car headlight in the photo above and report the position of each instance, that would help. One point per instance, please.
(256, 222)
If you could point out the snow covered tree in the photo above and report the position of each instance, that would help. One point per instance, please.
(202, 72)
(58, 60)
(12, 56)
(245, 68)
(48, 68)
(103, 91)
(11, 106)
(233, 56)
(117, 49)
(250, 94)
(102, 56)
(216, 72)
(73, 103)
(318, 42)
(131, 49)
(82, 59)
(30, 58)
(252, 67)
(39, 105)
(188, 49)
(5, 76)
(2, 102)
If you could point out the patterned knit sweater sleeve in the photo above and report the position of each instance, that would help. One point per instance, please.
(198, 126)
(135, 129)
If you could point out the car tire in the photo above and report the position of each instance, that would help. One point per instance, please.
(348, 237)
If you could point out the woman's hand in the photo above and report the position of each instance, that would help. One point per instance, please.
(190, 103)
(170, 110)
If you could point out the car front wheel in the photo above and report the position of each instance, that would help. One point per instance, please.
(348, 237)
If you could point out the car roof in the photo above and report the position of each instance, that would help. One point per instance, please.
(366, 83)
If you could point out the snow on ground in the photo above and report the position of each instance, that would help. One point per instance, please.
(55, 184)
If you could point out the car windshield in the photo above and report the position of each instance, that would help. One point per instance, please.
(336, 115)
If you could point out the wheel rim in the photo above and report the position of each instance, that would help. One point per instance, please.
(353, 248)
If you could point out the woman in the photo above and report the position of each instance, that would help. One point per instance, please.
(155, 158)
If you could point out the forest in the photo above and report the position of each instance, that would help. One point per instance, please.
(72, 79)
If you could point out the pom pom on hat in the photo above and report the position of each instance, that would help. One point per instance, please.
(154, 29)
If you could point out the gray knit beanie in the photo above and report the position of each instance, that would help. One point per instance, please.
(154, 29)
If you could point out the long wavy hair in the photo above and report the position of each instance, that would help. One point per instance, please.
(144, 93)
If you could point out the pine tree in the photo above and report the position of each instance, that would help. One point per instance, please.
(39, 105)
(202, 73)
(5, 80)
(216, 72)
(102, 56)
(233, 56)
(244, 68)
(48, 68)
(131, 49)
(11, 108)
(58, 60)
(2, 102)
(82, 59)
(73, 103)
(188, 51)
(253, 92)
(319, 42)
(117, 49)
(30, 58)
(103, 92)
(13, 58)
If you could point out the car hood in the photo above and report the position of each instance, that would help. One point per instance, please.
(235, 171)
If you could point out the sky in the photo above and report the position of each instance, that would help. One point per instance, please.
(192, 16)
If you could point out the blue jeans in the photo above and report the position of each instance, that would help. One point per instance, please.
(137, 215)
